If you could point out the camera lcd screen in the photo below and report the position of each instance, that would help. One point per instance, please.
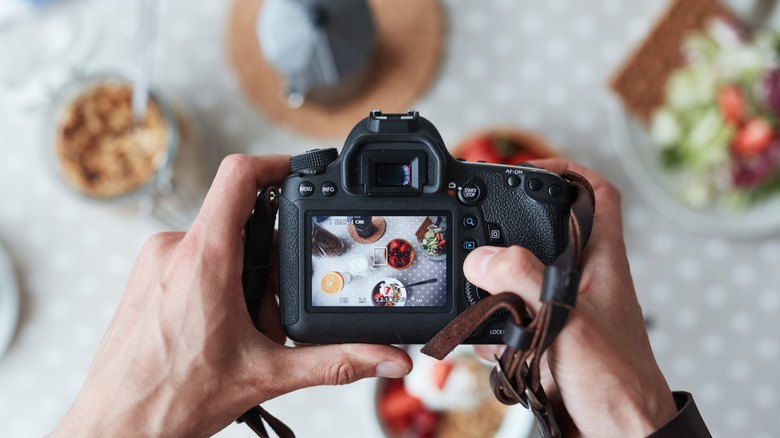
(393, 175)
(387, 261)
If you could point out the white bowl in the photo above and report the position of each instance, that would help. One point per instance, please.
(9, 301)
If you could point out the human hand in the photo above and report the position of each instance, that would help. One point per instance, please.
(600, 370)
(181, 356)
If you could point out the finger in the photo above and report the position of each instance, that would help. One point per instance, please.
(608, 217)
(338, 364)
(489, 352)
(232, 196)
(513, 269)
(269, 319)
(606, 246)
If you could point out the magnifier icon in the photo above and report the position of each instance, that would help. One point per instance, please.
(469, 221)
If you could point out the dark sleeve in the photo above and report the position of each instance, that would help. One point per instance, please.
(687, 423)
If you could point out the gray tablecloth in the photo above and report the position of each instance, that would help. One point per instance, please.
(713, 303)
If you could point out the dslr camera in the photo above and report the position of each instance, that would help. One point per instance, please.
(372, 240)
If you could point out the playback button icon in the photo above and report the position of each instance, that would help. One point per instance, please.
(469, 244)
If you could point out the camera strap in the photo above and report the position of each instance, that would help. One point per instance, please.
(259, 236)
(516, 376)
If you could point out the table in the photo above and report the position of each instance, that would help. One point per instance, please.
(712, 303)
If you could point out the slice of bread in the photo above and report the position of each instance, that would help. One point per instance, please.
(641, 80)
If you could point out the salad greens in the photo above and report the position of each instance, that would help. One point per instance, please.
(718, 126)
(433, 243)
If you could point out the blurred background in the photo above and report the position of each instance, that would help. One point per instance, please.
(534, 74)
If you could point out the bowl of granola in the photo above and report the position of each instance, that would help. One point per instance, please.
(99, 150)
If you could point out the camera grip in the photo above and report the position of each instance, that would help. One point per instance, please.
(537, 226)
(289, 251)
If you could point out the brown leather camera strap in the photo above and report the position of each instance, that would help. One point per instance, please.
(516, 377)
(259, 235)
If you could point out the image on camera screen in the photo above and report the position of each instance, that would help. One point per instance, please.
(379, 261)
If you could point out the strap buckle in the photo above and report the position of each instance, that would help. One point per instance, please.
(503, 388)
(536, 402)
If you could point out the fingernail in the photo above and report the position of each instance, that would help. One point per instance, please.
(392, 370)
(477, 261)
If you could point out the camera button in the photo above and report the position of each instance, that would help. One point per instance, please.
(470, 222)
(495, 235)
(328, 188)
(470, 193)
(513, 180)
(306, 188)
(535, 184)
(469, 244)
(554, 190)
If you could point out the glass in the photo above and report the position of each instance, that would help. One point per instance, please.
(393, 175)
(174, 188)
(57, 140)
(324, 243)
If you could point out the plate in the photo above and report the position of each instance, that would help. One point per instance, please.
(660, 187)
(9, 301)
(423, 229)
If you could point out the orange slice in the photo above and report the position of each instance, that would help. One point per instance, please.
(331, 283)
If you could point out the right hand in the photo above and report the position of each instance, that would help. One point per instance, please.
(599, 372)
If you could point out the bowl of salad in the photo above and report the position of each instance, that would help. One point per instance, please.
(433, 241)
(709, 157)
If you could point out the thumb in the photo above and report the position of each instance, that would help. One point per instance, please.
(513, 269)
(338, 364)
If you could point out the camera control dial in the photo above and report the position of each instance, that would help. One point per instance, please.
(313, 161)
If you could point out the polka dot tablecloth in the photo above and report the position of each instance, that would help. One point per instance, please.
(712, 304)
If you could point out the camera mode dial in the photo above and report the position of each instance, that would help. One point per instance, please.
(313, 161)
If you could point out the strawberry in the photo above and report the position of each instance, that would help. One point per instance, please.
(523, 157)
(753, 139)
(440, 371)
(394, 244)
(731, 104)
(404, 248)
(423, 423)
(393, 260)
(396, 407)
(481, 149)
(496, 150)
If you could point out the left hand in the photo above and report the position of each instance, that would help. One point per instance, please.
(181, 356)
